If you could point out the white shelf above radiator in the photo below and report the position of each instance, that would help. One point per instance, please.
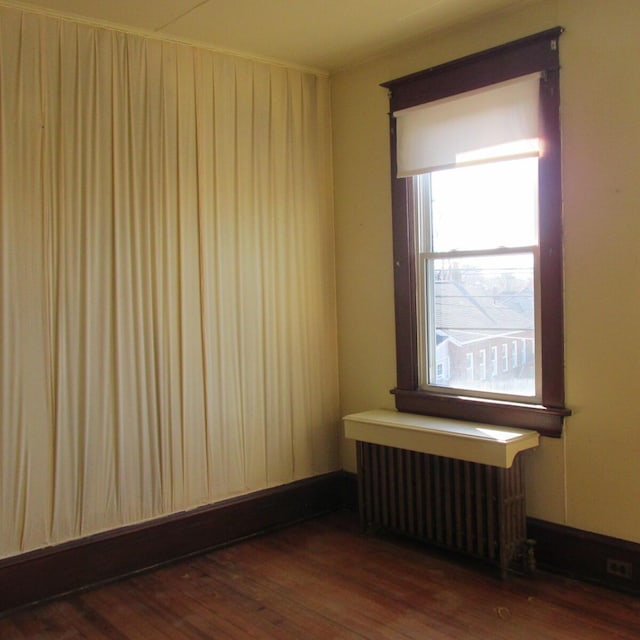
(471, 441)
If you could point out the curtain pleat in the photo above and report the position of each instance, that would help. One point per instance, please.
(167, 302)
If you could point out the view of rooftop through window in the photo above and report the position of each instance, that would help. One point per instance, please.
(477, 243)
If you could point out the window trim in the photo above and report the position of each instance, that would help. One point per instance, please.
(535, 53)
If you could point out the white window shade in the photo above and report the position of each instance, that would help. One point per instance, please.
(499, 121)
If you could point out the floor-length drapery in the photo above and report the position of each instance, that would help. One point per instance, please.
(167, 303)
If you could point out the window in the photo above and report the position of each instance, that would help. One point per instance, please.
(494, 361)
(442, 371)
(470, 366)
(483, 364)
(477, 236)
(476, 259)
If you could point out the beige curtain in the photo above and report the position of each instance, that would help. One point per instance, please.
(167, 303)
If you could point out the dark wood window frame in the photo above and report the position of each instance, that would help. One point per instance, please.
(536, 53)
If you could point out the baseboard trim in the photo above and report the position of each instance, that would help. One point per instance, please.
(50, 572)
(584, 555)
(43, 574)
(563, 550)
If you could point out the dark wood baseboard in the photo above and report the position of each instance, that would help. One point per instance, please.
(43, 574)
(565, 550)
(50, 572)
(586, 556)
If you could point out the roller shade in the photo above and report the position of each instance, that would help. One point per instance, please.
(498, 121)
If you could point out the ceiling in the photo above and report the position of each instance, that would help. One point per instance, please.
(317, 34)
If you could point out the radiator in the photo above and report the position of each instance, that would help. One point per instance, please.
(460, 506)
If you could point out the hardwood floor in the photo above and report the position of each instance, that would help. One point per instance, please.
(322, 579)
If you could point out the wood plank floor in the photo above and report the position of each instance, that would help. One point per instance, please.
(322, 579)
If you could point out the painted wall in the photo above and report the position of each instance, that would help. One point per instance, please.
(588, 479)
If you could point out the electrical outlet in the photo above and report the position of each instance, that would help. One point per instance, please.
(619, 568)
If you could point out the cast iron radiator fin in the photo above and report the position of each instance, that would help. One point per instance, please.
(460, 506)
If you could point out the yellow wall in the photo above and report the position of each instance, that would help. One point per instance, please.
(588, 479)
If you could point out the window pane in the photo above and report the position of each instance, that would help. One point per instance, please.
(485, 206)
(480, 306)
